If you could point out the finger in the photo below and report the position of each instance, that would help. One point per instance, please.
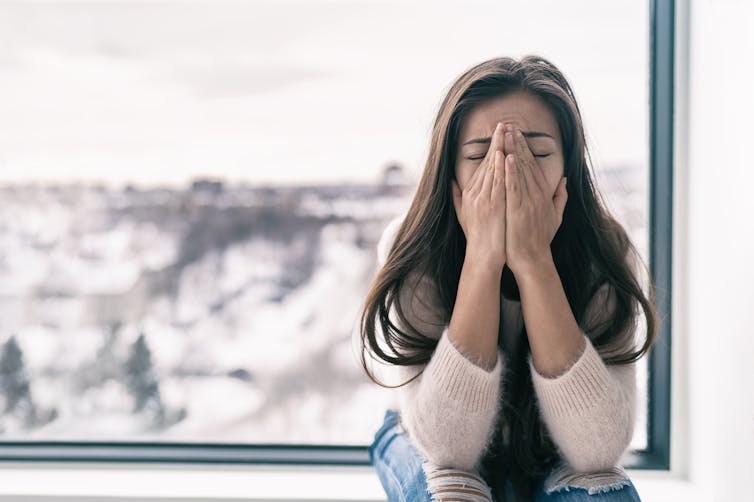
(560, 198)
(498, 180)
(523, 164)
(508, 143)
(496, 143)
(476, 178)
(487, 181)
(511, 148)
(488, 162)
(521, 181)
(512, 184)
(535, 178)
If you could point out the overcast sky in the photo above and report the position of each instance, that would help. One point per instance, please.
(287, 92)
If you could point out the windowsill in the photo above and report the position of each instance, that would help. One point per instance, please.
(162, 482)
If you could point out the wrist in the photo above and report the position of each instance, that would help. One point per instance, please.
(535, 268)
(485, 261)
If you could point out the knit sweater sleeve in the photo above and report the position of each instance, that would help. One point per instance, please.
(589, 409)
(448, 412)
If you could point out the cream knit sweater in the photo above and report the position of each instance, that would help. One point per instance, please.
(450, 411)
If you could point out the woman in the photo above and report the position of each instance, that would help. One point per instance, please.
(517, 306)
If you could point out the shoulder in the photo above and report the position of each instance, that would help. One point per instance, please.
(418, 296)
(609, 323)
(602, 304)
(387, 238)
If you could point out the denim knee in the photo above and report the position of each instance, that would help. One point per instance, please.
(397, 463)
(389, 421)
(612, 485)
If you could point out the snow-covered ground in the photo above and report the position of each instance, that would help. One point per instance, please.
(247, 325)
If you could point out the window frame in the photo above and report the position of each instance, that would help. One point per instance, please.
(657, 453)
(661, 166)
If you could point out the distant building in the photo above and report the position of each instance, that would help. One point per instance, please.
(206, 185)
(394, 180)
(394, 175)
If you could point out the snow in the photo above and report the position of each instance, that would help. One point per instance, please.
(245, 343)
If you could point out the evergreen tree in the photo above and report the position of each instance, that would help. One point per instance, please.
(141, 380)
(14, 384)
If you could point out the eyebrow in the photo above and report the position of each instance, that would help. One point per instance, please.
(527, 134)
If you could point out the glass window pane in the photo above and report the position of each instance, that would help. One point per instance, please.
(192, 194)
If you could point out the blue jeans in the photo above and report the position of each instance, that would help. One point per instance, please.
(399, 468)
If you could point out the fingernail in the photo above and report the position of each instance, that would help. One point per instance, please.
(498, 126)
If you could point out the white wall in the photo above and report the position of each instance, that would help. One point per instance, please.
(714, 323)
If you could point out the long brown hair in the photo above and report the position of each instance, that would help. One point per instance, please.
(590, 249)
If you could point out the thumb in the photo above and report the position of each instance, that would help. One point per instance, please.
(560, 197)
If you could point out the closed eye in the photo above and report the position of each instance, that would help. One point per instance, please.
(478, 158)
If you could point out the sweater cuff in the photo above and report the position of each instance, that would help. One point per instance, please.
(585, 384)
(463, 381)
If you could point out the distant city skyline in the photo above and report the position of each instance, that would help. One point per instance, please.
(284, 93)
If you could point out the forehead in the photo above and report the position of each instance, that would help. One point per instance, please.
(523, 109)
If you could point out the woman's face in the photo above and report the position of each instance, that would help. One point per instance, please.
(523, 110)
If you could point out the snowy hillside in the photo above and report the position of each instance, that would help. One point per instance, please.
(246, 300)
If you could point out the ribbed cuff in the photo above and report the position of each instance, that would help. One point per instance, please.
(585, 384)
(461, 380)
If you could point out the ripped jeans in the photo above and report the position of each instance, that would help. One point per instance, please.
(407, 478)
